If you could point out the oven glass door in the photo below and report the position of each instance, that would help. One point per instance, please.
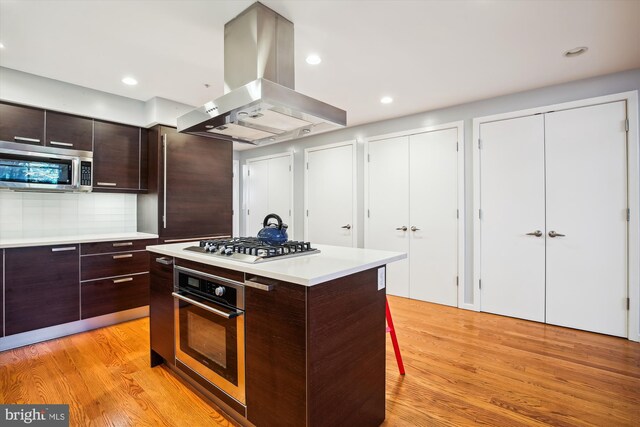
(210, 341)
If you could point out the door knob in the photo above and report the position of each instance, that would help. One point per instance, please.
(554, 234)
(348, 226)
(536, 233)
(414, 228)
(403, 228)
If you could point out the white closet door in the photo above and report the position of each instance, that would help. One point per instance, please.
(587, 202)
(389, 207)
(268, 189)
(280, 184)
(257, 195)
(512, 201)
(330, 196)
(433, 204)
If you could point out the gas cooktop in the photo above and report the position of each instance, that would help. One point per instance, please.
(252, 250)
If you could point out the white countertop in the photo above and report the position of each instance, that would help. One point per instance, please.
(76, 238)
(331, 263)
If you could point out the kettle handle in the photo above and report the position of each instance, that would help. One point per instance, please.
(265, 223)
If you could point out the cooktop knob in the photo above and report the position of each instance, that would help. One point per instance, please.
(219, 291)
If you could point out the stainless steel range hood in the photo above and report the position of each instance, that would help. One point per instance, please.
(260, 105)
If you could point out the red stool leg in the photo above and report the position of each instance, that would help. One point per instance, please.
(394, 339)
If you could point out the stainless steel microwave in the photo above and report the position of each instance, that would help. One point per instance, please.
(38, 168)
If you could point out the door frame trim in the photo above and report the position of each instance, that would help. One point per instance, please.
(354, 180)
(245, 187)
(633, 188)
(462, 237)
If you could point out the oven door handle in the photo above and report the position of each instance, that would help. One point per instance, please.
(208, 308)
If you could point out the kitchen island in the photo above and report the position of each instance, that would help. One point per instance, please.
(311, 334)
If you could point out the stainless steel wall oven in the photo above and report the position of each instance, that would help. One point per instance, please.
(209, 328)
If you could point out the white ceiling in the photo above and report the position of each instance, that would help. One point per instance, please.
(425, 54)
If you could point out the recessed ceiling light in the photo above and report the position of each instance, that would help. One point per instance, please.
(576, 51)
(129, 81)
(386, 100)
(313, 59)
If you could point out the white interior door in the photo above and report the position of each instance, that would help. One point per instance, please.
(512, 203)
(280, 189)
(257, 188)
(587, 202)
(433, 208)
(269, 185)
(330, 195)
(388, 194)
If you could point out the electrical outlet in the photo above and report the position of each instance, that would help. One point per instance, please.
(382, 278)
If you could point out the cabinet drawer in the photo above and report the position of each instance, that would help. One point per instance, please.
(119, 246)
(111, 295)
(108, 265)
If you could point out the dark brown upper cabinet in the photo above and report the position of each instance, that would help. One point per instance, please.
(190, 182)
(66, 131)
(21, 124)
(117, 150)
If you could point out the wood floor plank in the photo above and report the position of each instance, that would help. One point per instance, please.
(463, 369)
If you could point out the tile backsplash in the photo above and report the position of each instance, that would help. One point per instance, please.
(28, 215)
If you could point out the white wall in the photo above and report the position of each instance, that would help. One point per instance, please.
(571, 91)
(41, 92)
(33, 215)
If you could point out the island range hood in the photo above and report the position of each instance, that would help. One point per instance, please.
(260, 105)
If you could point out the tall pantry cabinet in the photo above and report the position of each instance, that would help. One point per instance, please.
(190, 187)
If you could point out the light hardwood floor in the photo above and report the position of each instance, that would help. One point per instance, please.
(463, 368)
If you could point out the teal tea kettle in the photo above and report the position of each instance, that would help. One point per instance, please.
(273, 233)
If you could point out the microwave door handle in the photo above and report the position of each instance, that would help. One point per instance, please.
(207, 308)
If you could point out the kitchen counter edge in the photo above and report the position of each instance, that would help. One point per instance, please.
(331, 263)
(75, 239)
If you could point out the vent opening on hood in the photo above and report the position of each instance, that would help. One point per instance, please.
(260, 106)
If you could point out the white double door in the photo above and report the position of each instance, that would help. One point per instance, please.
(330, 194)
(412, 207)
(553, 227)
(268, 188)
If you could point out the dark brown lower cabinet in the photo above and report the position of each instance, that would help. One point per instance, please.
(1, 292)
(115, 294)
(161, 309)
(42, 287)
(315, 356)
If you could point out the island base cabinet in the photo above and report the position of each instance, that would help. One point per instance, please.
(161, 322)
(315, 355)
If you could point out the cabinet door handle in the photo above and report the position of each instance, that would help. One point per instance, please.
(64, 144)
(165, 261)
(554, 234)
(23, 139)
(536, 233)
(68, 248)
(414, 228)
(123, 256)
(126, 279)
(348, 226)
(106, 184)
(119, 245)
(403, 228)
(164, 160)
(254, 284)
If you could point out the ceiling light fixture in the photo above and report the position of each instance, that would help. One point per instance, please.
(576, 51)
(386, 100)
(129, 81)
(313, 59)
